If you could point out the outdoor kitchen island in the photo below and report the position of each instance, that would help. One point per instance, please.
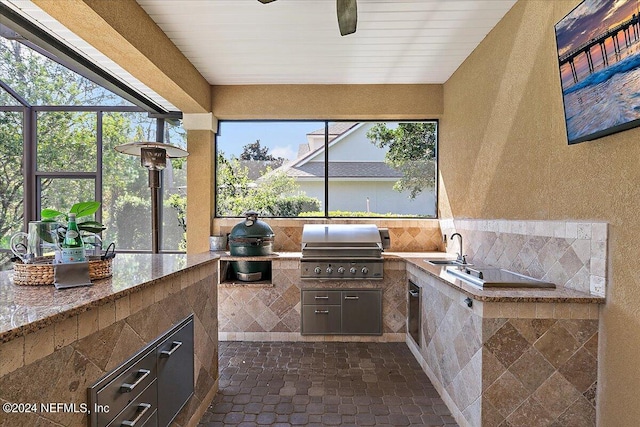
(507, 355)
(493, 355)
(54, 344)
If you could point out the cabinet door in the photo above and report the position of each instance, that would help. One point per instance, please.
(320, 319)
(175, 373)
(362, 312)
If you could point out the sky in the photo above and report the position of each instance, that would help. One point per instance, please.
(590, 18)
(282, 138)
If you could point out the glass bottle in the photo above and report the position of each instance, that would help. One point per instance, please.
(72, 246)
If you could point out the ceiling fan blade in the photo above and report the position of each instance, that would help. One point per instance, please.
(347, 16)
(265, 1)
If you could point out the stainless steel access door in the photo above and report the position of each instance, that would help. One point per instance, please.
(414, 312)
(362, 312)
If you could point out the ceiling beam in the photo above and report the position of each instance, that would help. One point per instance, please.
(123, 32)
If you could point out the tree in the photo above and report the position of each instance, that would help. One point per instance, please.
(66, 141)
(273, 194)
(258, 153)
(11, 193)
(411, 150)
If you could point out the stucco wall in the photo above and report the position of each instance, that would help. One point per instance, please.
(357, 102)
(504, 154)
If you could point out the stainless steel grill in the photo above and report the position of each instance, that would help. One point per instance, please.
(341, 251)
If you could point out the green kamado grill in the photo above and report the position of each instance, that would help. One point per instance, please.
(251, 238)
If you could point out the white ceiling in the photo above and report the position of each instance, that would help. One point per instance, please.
(297, 41)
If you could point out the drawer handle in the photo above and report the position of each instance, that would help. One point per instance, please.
(351, 297)
(322, 311)
(175, 345)
(128, 388)
(145, 407)
(322, 297)
(414, 294)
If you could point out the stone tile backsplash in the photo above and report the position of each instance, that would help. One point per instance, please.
(571, 254)
(407, 235)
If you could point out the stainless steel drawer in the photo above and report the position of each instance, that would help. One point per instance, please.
(328, 297)
(126, 387)
(141, 411)
(321, 319)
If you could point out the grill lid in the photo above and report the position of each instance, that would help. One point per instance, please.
(340, 240)
(251, 228)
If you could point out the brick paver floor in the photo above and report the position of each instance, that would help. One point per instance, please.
(323, 384)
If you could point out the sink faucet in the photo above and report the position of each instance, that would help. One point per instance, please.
(461, 258)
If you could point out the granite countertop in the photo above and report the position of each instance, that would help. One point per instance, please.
(557, 295)
(28, 308)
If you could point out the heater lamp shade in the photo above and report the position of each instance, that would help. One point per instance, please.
(134, 148)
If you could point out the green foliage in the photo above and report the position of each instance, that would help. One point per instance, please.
(273, 194)
(81, 209)
(179, 203)
(294, 205)
(255, 151)
(11, 188)
(134, 222)
(411, 151)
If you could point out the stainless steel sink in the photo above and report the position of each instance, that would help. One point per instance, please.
(492, 277)
(446, 262)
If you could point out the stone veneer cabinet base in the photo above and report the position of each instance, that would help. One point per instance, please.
(526, 364)
(107, 335)
(272, 312)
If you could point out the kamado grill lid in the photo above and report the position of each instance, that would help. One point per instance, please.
(251, 228)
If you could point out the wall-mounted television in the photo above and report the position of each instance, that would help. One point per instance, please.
(599, 57)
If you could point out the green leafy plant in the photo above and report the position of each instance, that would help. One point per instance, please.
(82, 209)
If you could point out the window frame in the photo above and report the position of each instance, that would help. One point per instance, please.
(326, 178)
(32, 178)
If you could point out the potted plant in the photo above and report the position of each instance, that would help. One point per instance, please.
(82, 209)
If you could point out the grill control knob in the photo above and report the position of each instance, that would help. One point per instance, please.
(352, 270)
(340, 270)
(329, 270)
(365, 270)
(317, 270)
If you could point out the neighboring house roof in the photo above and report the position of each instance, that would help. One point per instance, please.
(335, 128)
(305, 155)
(303, 150)
(344, 170)
(302, 167)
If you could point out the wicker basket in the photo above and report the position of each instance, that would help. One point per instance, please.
(41, 272)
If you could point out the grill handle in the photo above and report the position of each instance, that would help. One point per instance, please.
(337, 248)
